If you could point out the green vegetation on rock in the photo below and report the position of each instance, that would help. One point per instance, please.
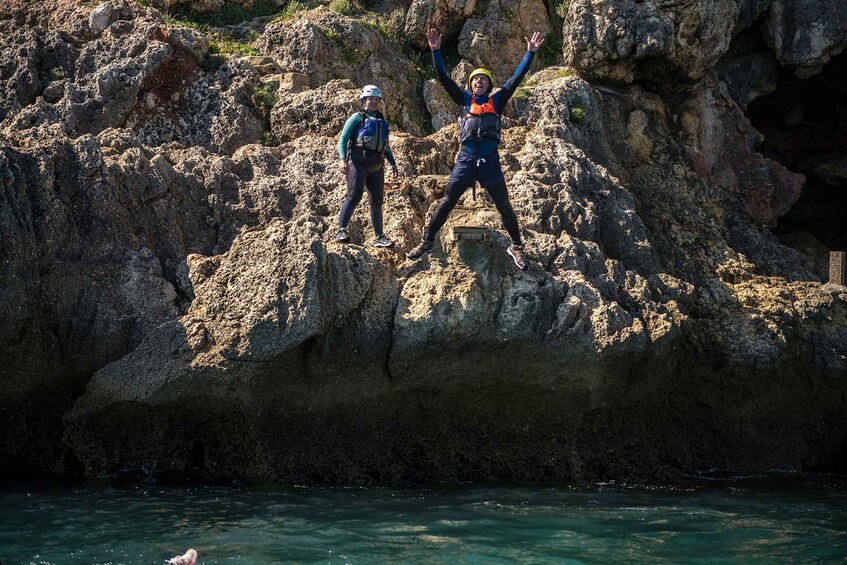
(348, 54)
(291, 10)
(577, 114)
(265, 97)
(345, 7)
(388, 25)
(550, 53)
(269, 139)
(230, 14)
(221, 44)
(521, 93)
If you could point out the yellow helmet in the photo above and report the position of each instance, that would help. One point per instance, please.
(482, 71)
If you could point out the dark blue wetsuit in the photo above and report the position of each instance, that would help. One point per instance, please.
(478, 159)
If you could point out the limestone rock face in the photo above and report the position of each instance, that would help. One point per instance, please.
(205, 6)
(173, 297)
(767, 188)
(100, 18)
(438, 103)
(137, 74)
(442, 109)
(804, 34)
(447, 16)
(95, 230)
(622, 41)
(62, 15)
(215, 111)
(321, 111)
(326, 46)
(749, 69)
(88, 89)
(287, 323)
(495, 39)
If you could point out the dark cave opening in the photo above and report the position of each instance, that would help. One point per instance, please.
(804, 124)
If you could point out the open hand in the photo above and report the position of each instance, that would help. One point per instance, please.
(531, 44)
(342, 166)
(434, 39)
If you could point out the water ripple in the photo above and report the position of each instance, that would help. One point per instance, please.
(794, 520)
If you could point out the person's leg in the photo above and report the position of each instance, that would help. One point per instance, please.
(461, 179)
(452, 194)
(491, 177)
(451, 197)
(376, 194)
(356, 176)
(500, 195)
(375, 184)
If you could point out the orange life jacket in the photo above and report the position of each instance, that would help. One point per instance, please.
(479, 121)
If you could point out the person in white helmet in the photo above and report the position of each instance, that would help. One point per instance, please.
(363, 149)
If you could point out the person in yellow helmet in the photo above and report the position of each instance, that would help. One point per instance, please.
(479, 133)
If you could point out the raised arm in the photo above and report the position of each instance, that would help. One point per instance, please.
(458, 95)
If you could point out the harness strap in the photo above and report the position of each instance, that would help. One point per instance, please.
(476, 174)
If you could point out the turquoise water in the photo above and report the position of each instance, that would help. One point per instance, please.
(787, 519)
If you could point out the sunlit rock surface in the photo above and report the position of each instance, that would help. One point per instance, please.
(173, 298)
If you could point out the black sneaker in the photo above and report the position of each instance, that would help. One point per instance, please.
(341, 236)
(516, 253)
(423, 247)
(382, 241)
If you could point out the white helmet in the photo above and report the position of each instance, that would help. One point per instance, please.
(370, 90)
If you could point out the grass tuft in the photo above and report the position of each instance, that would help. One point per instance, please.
(265, 97)
(229, 14)
(522, 93)
(550, 53)
(390, 26)
(291, 10)
(269, 139)
(345, 7)
(577, 115)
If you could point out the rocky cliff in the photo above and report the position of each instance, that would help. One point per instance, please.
(173, 300)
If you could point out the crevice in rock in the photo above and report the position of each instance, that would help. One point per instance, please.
(306, 349)
(547, 327)
(181, 283)
(156, 198)
(386, 366)
(804, 125)
(197, 457)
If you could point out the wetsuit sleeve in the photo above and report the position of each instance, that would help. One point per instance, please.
(458, 95)
(502, 96)
(351, 124)
(389, 156)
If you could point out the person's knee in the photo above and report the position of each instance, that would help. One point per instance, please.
(445, 205)
(451, 199)
(354, 196)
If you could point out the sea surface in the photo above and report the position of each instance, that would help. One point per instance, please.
(792, 518)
